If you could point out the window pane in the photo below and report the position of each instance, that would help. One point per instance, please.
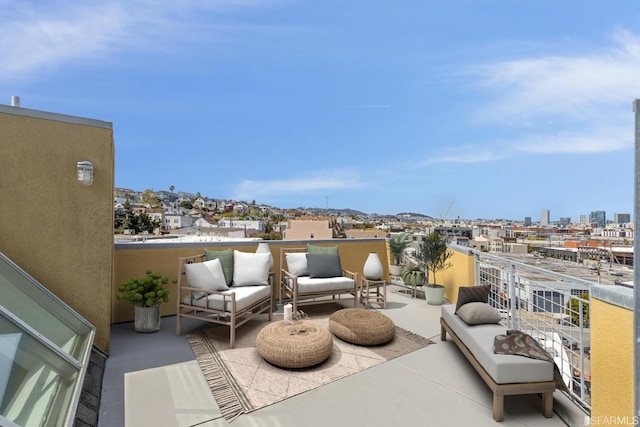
(27, 300)
(36, 385)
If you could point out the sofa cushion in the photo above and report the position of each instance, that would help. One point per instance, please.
(324, 265)
(472, 294)
(478, 313)
(322, 250)
(251, 269)
(226, 260)
(205, 275)
(245, 297)
(297, 263)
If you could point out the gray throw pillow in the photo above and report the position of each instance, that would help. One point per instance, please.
(326, 265)
(322, 250)
(478, 313)
(468, 294)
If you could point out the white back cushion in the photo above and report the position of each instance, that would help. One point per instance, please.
(251, 269)
(206, 275)
(297, 263)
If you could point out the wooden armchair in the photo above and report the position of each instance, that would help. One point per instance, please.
(307, 279)
(234, 306)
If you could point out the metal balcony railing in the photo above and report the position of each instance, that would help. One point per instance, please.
(549, 306)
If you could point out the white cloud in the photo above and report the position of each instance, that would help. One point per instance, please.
(466, 154)
(33, 41)
(600, 141)
(571, 86)
(36, 37)
(313, 182)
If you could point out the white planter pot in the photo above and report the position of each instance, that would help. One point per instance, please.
(434, 294)
(395, 270)
(373, 267)
(147, 319)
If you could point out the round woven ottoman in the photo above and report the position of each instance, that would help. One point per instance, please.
(361, 326)
(298, 345)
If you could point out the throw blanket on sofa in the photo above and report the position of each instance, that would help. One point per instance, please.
(518, 343)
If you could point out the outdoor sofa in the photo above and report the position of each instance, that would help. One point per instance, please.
(505, 374)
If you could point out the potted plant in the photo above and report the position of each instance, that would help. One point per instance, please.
(433, 255)
(146, 294)
(397, 245)
(413, 276)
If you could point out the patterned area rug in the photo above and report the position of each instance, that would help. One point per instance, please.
(241, 381)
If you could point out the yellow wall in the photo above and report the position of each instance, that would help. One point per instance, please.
(131, 260)
(461, 273)
(57, 230)
(611, 361)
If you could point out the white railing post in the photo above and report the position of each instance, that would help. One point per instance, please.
(512, 295)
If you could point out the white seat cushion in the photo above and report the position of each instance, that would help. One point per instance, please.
(245, 296)
(307, 284)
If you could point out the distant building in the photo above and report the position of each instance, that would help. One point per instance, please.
(544, 218)
(584, 219)
(621, 218)
(598, 217)
(527, 221)
(313, 228)
(365, 234)
(252, 225)
(565, 221)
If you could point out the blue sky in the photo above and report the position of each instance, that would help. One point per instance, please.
(496, 109)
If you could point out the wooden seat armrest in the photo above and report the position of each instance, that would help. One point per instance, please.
(350, 274)
(287, 274)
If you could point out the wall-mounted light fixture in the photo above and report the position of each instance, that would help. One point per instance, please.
(85, 172)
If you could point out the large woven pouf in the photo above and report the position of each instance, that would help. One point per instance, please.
(361, 326)
(298, 345)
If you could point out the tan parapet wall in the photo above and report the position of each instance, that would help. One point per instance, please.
(131, 260)
(611, 363)
(57, 230)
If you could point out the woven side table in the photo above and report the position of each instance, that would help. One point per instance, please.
(298, 345)
(362, 326)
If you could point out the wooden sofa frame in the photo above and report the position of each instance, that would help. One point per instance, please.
(546, 388)
(289, 286)
(233, 318)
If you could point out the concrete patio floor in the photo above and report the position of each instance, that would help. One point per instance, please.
(434, 386)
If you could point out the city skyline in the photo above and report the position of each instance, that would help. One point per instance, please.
(611, 217)
(471, 110)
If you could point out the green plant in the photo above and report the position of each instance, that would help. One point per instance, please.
(573, 309)
(145, 292)
(433, 254)
(397, 245)
(413, 275)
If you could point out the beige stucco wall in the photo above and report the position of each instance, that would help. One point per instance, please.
(131, 260)
(611, 363)
(57, 230)
(308, 229)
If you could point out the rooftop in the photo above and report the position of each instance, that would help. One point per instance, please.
(153, 379)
